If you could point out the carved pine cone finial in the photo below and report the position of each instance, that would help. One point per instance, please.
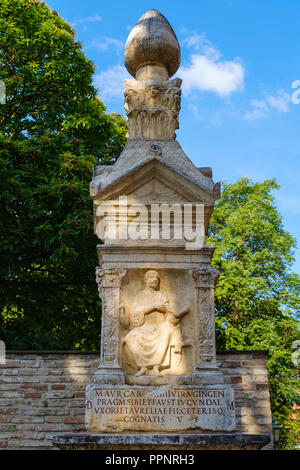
(152, 101)
(152, 43)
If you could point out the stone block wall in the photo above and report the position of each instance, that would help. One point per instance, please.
(247, 371)
(42, 394)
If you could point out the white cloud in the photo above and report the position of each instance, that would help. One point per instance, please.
(207, 71)
(279, 102)
(107, 43)
(83, 21)
(110, 82)
(195, 111)
(207, 116)
(207, 74)
(90, 19)
(199, 43)
(261, 108)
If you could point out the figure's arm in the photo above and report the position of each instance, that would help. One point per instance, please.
(176, 317)
(183, 312)
(139, 312)
(160, 306)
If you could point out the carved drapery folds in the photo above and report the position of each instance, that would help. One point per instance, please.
(205, 279)
(152, 108)
(154, 344)
(109, 283)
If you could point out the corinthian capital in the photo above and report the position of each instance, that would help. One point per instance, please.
(152, 108)
(109, 277)
(205, 276)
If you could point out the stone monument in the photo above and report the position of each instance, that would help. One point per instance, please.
(157, 370)
(157, 383)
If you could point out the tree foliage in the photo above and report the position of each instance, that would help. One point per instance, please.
(54, 129)
(257, 297)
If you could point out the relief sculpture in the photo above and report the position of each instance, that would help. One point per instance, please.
(152, 108)
(158, 372)
(154, 330)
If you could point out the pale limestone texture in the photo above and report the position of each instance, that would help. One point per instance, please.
(160, 409)
(152, 108)
(179, 325)
(152, 56)
(155, 343)
(151, 172)
(157, 290)
(152, 44)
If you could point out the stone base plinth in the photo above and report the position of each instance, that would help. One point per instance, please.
(216, 441)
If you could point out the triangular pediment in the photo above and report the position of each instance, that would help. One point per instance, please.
(153, 178)
(170, 165)
(155, 190)
(156, 183)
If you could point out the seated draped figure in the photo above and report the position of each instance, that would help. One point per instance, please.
(155, 329)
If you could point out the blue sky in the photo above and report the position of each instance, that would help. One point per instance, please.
(239, 60)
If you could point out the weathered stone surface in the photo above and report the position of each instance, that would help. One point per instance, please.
(152, 108)
(152, 42)
(139, 152)
(157, 336)
(157, 307)
(159, 333)
(152, 55)
(161, 409)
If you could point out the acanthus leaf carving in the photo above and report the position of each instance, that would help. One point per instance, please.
(205, 276)
(106, 278)
(152, 108)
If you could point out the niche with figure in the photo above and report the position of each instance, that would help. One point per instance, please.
(157, 317)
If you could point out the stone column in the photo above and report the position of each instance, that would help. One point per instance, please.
(206, 370)
(109, 284)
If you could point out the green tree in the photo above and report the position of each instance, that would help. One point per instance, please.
(257, 297)
(53, 130)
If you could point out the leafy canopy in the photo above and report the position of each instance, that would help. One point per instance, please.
(257, 297)
(53, 130)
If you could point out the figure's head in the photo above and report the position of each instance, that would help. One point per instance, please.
(152, 279)
(152, 90)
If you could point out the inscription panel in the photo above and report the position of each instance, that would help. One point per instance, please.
(178, 408)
